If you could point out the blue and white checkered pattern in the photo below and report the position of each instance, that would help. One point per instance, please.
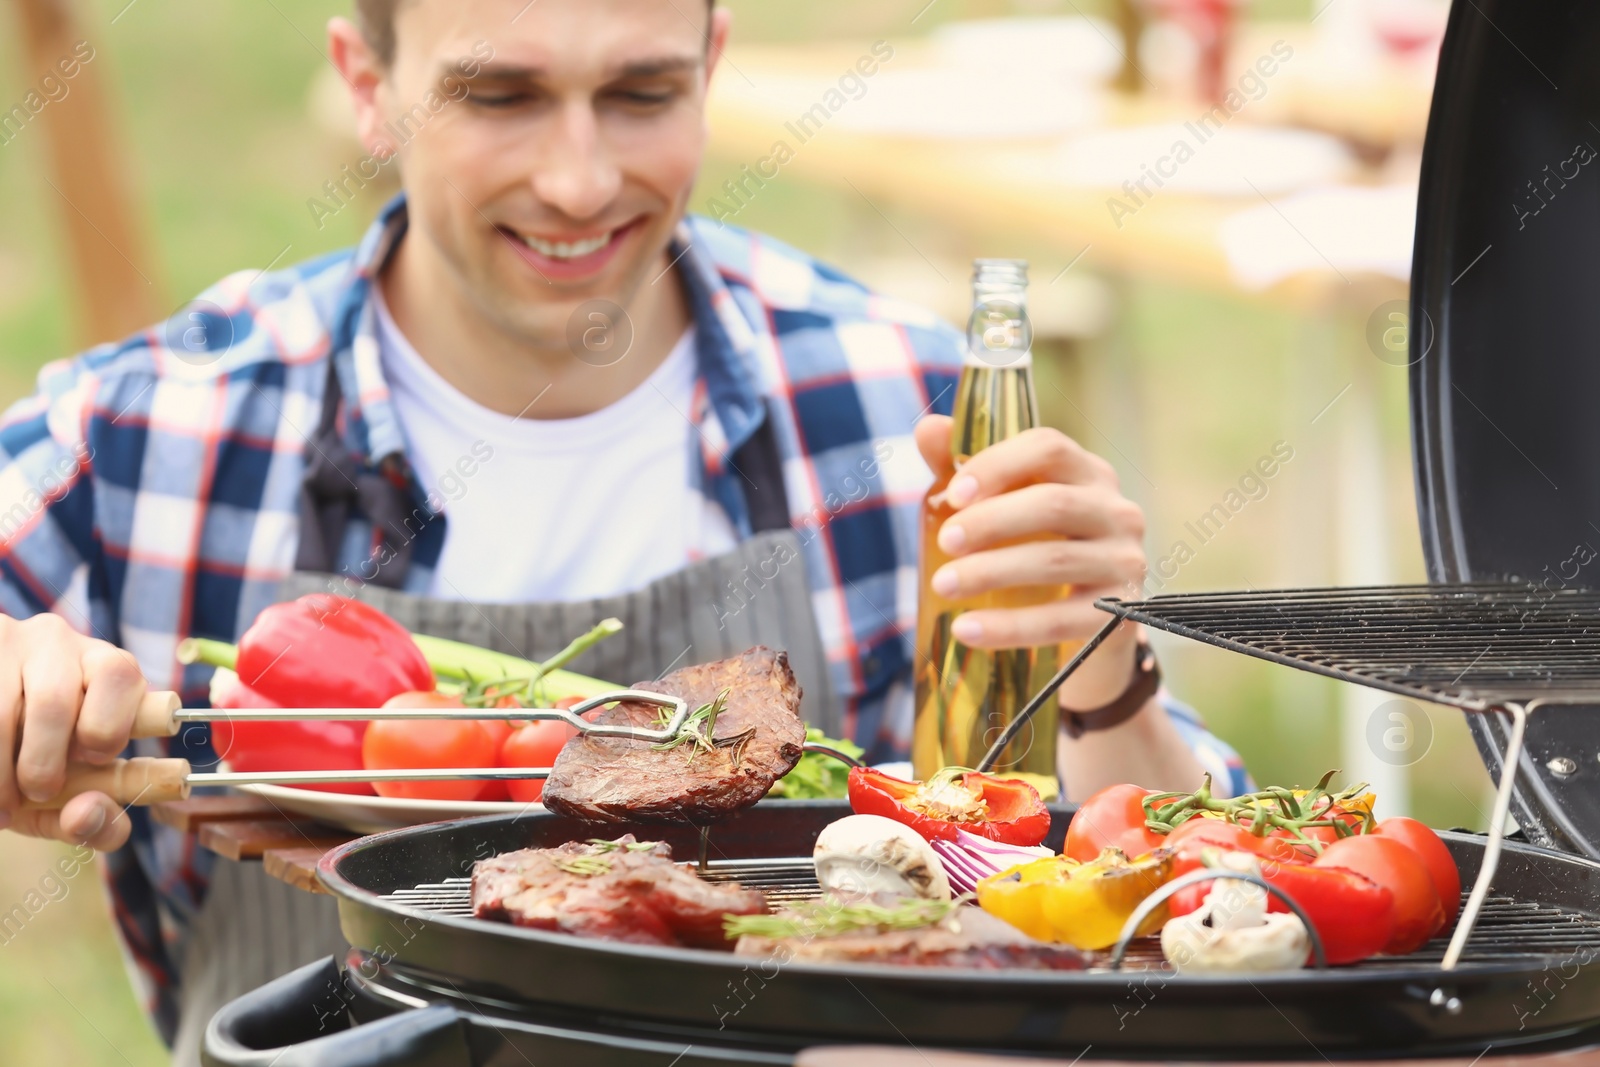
(149, 493)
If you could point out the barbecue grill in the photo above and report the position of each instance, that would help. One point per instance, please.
(1507, 459)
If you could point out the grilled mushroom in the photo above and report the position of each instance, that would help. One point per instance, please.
(1233, 931)
(867, 854)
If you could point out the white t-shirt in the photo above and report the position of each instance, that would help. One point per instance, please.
(555, 509)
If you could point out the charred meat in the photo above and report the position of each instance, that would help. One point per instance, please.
(622, 890)
(754, 739)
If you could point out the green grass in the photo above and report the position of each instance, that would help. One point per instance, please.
(1184, 395)
(64, 997)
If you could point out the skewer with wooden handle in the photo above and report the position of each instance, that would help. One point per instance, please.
(152, 780)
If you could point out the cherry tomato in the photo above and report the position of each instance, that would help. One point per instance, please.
(397, 744)
(533, 745)
(1112, 818)
(1435, 855)
(1418, 913)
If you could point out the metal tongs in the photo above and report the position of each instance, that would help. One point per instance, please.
(152, 780)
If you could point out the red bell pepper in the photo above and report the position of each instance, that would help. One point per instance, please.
(330, 651)
(1000, 809)
(252, 747)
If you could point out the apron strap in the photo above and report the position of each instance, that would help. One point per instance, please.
(335, 486)
(759, 460)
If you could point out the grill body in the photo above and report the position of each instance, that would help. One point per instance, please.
(1530, 976)
(1503, 377)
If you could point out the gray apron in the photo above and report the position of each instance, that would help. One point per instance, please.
(252, 928)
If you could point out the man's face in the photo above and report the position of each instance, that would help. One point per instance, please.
(560, 176)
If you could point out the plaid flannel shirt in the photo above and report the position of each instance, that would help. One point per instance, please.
(149, 493)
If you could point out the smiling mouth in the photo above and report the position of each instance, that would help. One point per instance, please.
(568, 249)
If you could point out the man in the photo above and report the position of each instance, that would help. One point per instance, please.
(167, 490)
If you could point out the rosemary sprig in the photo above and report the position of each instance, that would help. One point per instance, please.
(825, 918)
(587, 866)
(602, 845)
(698, 730)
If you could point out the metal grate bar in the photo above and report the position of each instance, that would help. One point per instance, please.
(1507, 930)
(1475, 646)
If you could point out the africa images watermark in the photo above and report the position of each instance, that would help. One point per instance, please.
(1252, 85)
(454, 87)
(53, 88)
(1553, 182)
(52, 888)
(852, 85)
(452, 485)
(56, 481)
(1253, 485)
(738, 592)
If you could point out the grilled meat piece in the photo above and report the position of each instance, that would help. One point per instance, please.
(608, 891)
(758, 735)
(968, 937)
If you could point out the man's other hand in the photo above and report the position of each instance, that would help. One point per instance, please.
(1038, 509)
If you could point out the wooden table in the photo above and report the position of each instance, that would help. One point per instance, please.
(982, 188)
(243, 827)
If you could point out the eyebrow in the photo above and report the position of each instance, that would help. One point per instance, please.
(641, 68)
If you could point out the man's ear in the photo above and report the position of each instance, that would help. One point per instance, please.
(721, 23)
(364, 75)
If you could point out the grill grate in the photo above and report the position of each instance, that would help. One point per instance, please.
(1477, 646)
(1507, 930)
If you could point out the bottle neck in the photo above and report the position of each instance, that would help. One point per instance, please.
(991, 404)
(998, 332)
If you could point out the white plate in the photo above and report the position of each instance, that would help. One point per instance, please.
(371, 815)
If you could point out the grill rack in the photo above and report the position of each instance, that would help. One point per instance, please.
(1523, 646)
(1508, 930)
(1484, 648)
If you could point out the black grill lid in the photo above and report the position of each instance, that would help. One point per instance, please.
(1505, 348)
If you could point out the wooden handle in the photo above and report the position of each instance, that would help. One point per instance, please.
(142, 780)
(155, 716)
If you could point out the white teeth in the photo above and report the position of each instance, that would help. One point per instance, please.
(564, 250)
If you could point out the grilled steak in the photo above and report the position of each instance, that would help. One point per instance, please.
(758, 735)
(968, 937)
(608, 891)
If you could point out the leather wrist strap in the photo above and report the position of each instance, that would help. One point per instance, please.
(1142, 686)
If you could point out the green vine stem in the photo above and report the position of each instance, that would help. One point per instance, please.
(1265, 810)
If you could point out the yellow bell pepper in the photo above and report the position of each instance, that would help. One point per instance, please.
(1081, 904)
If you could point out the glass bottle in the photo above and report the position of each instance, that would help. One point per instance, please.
(966, 696)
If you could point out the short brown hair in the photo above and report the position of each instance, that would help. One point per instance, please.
(376, 19)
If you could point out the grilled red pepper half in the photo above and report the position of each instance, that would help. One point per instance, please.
(330, 651)
(1000, 809)
(284, 746)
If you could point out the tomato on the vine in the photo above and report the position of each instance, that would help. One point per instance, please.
(407, 744)
(1112, 818)
(1435, 856)
(1418, 913)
